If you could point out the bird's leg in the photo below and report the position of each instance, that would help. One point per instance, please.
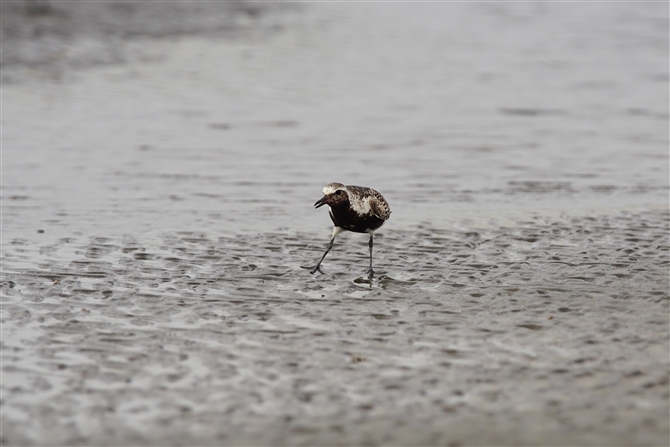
(370, 272)
(317, 267)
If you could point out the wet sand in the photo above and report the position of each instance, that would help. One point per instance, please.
(157, 210)
(514, 336)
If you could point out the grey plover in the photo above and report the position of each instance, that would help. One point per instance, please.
(353, 208)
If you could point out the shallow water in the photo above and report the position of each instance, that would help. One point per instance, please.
(156, 214)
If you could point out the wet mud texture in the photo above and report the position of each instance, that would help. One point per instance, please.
(157, 188)
(550, 331)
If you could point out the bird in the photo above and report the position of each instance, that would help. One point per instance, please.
(353, 208)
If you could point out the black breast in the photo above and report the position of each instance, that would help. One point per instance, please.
(348, 219)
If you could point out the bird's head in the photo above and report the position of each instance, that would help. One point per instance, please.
(333, 194)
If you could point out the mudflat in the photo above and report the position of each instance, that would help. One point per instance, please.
(157, 207)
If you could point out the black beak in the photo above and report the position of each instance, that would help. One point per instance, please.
(322, 201)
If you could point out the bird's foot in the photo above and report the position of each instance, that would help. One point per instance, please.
(370, 273)
(313, 270)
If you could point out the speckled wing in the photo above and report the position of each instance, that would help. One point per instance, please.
(379, 205)
(367, 201)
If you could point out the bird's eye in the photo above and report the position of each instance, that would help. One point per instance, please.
(338, 192)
